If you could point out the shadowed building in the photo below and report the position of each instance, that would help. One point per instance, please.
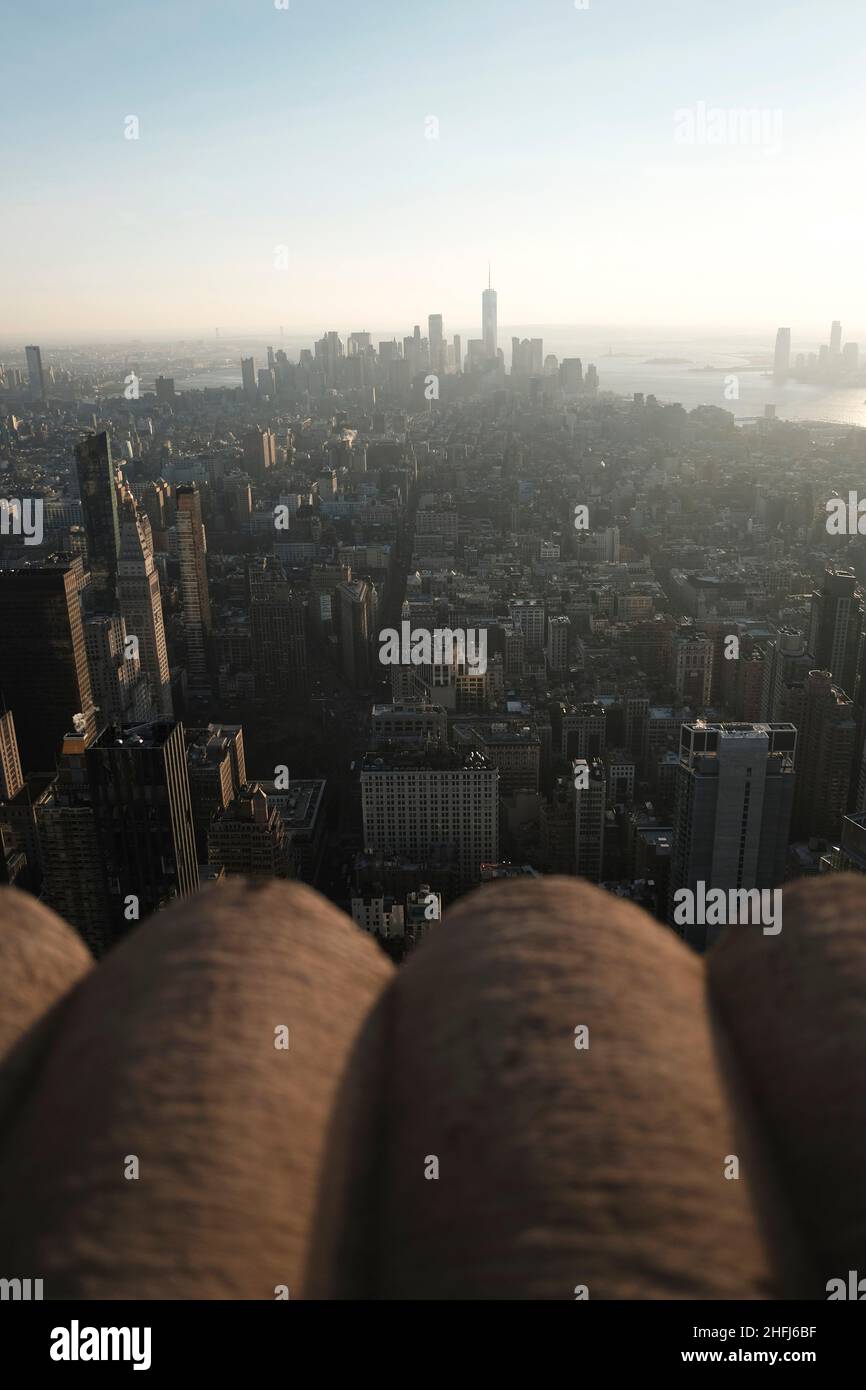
(734, 794)
(249, 837)
(98, 491)
(192, 550)
(836, 624)
(140, 604)
(416, 803)
(217, 773)
(44, 677)
(825, 761)
(141, 802)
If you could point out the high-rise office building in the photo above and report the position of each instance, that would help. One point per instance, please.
(157, 503)
(266, 381)
(98, 489)
(571, 375)
(827, 746)
(195, 598)
(692, 667)
(513, 747)
(835, 338)
(434, 807)
(489, 324)
(141, 607)
(357, 612)
(11, 779)
(583, 730)
(597, 547)
(139, 789)
(44, 677)
(248, 378)
(35, 373)
(836, 625)
(216, 766)
(75, 882)
(514, 656)
(121, 690)
(782, 354)
(852, 847)
(436, 340)
(746, 685)
(590, 804)
(260, 452)
(249, 837)
(790, 664)
(278, 636)
(558, 638)
(528, 614)
(557, 841)
(733, 801)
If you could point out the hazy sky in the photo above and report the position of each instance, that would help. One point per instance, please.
(307, 128)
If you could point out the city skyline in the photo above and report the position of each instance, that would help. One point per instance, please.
(433, 757)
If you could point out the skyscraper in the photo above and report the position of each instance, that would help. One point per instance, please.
(138, 594)
(75, 884)
(357, 614)
(782, 356)
(489, 324)
(217, 774)
(121, 691)
(44, 678)
(11, 779)
(260, 452)
(249, 837)
(734, 794)
(590, 804)
(192, 549)
(558, 636)
(35, 373)
(278, 637)
(248, 377)
(141, 803)
(827, 747)
(528, 614)
(836, 623)
(98, 491)
(835, 338)
(434, 334)
(692, 666)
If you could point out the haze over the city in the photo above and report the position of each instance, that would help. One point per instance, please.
(330, 164)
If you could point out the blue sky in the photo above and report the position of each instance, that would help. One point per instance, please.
(306, 129)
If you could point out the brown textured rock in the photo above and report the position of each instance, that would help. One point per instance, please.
(41, 958)
(560, 1167)
(167, 1053)
(794, 1006)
